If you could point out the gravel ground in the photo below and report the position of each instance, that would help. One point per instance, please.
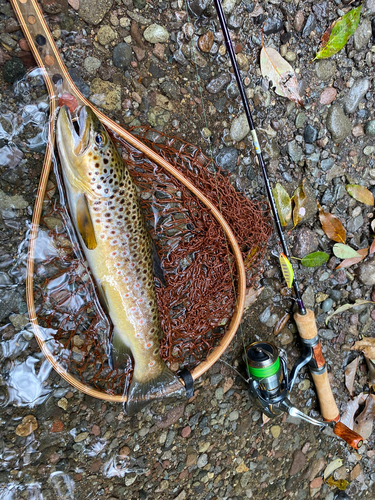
(140, 56)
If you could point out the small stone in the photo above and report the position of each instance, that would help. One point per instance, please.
(81, 437)
(299, 20)
(202, 461)
(93, 11)
(106, 95)
(328, 95)
(227, 159)
(285, 337)
(228, 6)
(325, 69)
(124, 451)
(156, 34)
(275, 431)
(368, 150)
(217, 84)
(29, 425)
(63, 403)
(316, 483)
(304, 385)
(272, 26)
(233, 415)
(186, 431)
(206, 41)
(355, 472)
(241, 468)
(358, 130)
(219, 393)
(91, 64)
(310, 134)
(338, 124)
(299, 461)
(327, 305)
(290, 56)
(122, 55)
(366, 272)
(309, 26)
(13, 70)
(294, 151)
(106, 35)
(355, 94)
(239, 128)
(327, 334)
(362, 34)
(95, 430)
(300, 119)
(369, 128)
(57, 426)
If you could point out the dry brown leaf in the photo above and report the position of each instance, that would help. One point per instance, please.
(371, 372)
(364, 422)
(348, 416)
(353, 260)
(332, 226)
(257, 11)
(350, 372)
(367, 346)
(372, 248)
(278, 71)
(251, 296)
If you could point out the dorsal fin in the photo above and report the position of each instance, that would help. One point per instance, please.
(84, 223)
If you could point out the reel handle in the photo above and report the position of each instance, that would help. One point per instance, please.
(308, 331)
(352, 438)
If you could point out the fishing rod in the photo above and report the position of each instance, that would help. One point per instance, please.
(269, 382)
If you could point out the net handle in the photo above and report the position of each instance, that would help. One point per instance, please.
(58, 83)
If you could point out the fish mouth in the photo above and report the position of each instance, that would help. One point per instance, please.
(76, 129)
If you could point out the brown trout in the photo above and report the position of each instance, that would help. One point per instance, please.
(104, 207)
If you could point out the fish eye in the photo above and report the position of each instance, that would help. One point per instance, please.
(100, 139)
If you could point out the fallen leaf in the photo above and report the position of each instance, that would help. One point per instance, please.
(346, 307)
(354, 260)
(287, 270)
(281, 323)
(251, 296)
(341, 484)
(343, 251)
(347, 418)
(372, 248)
(257, 11)
(371, 372)
(373, 225)
(274, 67)
(332, 226)
(342, 30)
(74, 4)
(299, 200)
(331, 467)
(251, 256)
(366, 345)
(283, 204)
(363, 424)
(360, 193)
(325, 37)
(265, 419)
(350, 372)
(29, 425)
(315, 259)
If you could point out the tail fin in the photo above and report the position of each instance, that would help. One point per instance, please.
(142, 393)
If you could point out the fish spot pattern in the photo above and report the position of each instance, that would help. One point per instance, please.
(124, 239)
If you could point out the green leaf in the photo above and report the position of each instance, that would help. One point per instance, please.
(340, 34)
(315, 259)
(283, 204)
(360, 193)
(287, 270)
(344, 251)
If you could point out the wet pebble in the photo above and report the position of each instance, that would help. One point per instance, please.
(53, 6)
(13, 70)
(325, 69)
(338, 123)
(366, 272)
(327, 334)
(310, 134)
(156, 34)
(299, 461)
(369, 128)
(206, 41)
(294, 151)
(93, 11)
(362, 34)
(239, 128)
(91, 64)
(202, 460)
(233, 415)
(275, 431)
(299, 20)
(227, 159)
(29, 425)
(309, 26)
(272, 26)
(106, 35)
(285, 337)
(328, 95)
(122, 55)
(217, 84)
(327, 305)
(306, 242)
(356, 94)
(358, 130)
(264, 317)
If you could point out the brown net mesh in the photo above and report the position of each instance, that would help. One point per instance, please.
(198, 301)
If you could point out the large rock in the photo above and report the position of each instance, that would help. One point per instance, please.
(93, 11)
(338, 124)
(306, 242)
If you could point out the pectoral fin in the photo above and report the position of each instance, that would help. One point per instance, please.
(84, 223)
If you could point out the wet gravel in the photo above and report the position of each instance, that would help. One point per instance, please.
(154, 63)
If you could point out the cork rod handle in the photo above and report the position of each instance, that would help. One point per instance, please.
(307, 329)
